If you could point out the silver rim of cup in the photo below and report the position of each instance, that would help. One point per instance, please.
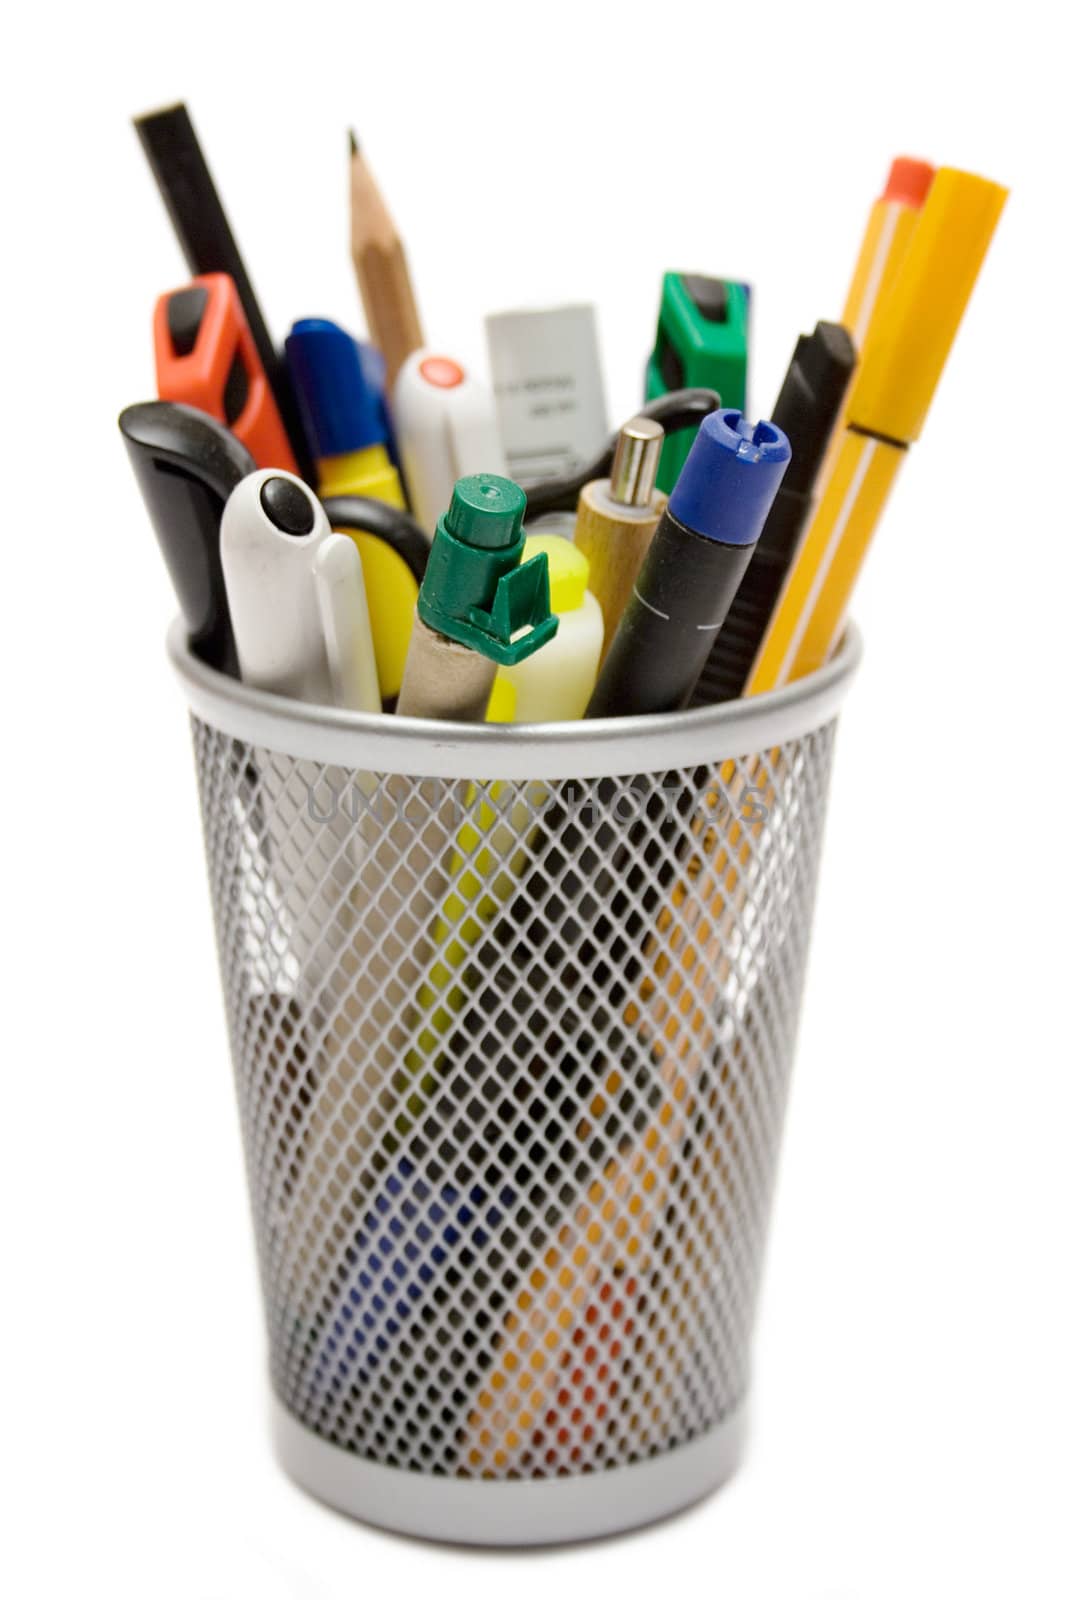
(603, 747)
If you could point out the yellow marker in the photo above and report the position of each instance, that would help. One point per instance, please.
(368, 472)
(392, 588)
(905, 352)
(492, 848)
(555, 684)
(345, 423)
(889, 230)
(904, 356)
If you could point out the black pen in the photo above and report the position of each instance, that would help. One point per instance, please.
(561, 954)
(694, 565)
(807, 409)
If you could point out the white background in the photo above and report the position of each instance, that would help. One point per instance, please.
(910, 1417)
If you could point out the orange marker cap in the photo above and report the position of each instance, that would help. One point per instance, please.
(441, 371)
(909, 182)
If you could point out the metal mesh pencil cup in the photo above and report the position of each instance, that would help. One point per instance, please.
(512, 1013)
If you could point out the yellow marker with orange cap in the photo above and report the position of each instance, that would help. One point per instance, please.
(906, 352)
(889, 230)
(492, 847)
(555, 684)
(904, 356)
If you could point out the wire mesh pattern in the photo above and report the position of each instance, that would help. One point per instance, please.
(511, 1064)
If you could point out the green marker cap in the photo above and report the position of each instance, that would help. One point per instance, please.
(477, 590)
(486, 511)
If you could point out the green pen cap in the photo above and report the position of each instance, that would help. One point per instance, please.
(477, 590)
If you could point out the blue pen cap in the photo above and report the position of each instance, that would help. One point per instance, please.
(341, 409)
(730, 477)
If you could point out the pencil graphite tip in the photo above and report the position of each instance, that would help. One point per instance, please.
(353, 143)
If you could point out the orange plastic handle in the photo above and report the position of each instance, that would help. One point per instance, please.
(206, 357)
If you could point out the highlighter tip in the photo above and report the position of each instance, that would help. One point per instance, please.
(909, 181)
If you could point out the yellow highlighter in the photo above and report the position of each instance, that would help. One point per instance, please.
(492, 847)
(905, 352)
(889, 230)
(345, 423)
(555, 684)
(903, 359)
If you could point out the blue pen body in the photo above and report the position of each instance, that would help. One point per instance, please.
(413, 1232)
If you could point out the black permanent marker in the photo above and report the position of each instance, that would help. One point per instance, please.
(806, 410)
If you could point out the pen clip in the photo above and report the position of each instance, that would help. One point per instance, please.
(521, 601)
(342, 602)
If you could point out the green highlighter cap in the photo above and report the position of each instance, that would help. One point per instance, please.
(477, 590)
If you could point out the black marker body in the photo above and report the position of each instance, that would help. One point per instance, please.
(806, 410)
(680, 600)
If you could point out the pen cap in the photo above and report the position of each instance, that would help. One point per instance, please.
(272, 529)
(485, 512)
(346, 625)
(446, 429)
(810, 398)
(341, 410)
(475, 590)
(909, 341)
(730, 477)
(177, 438)
(555, 684)
(186, 465)
(908, 182)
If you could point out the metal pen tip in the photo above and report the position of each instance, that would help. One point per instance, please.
(637, 452)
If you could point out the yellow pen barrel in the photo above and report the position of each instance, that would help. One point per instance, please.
(902, 362)
(908, 344)
(885, 243)
(391, 586)
(889, 231)
(368, 472)
(811, 612)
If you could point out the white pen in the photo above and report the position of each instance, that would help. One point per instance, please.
(296, 595)
(342, 597)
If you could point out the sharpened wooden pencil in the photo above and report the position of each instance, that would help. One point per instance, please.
(381, 270)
